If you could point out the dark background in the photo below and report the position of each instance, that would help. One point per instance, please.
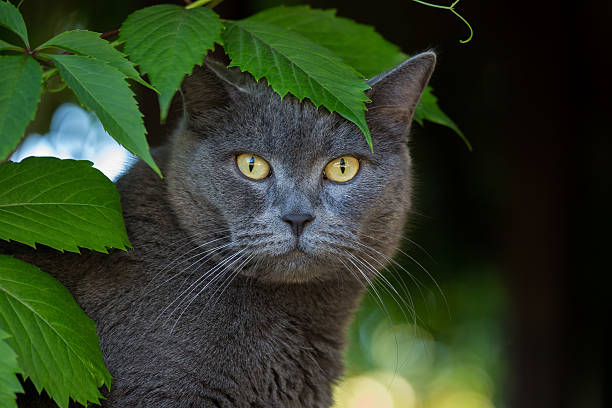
(531, 201)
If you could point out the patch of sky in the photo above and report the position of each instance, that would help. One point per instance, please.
(78, 134)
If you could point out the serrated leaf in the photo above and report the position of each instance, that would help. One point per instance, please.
(11, 18)
(359, 45)
(89, 43)
(64, 204)
(102, 89)
(56, 343)
(291, 63)
(20, 89)
(166, 42)
(9, 384)
(428, 109)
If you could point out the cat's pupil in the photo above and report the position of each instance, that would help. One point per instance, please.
(342, 165)
(251, 163)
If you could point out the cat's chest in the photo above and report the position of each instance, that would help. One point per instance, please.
(274, 358)
(275, 371)
(249, 350)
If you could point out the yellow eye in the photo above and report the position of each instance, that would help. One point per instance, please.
(342, 169)
(253, 166)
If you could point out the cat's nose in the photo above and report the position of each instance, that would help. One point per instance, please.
(297, 222)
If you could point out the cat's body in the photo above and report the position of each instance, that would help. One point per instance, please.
(223, 302)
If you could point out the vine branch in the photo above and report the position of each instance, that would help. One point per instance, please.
(109, 33)
(452, 10)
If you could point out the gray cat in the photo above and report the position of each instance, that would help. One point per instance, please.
(254, 250)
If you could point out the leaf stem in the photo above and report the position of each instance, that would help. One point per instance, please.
(199, 3)
(41, 57)
(49, 73)
(17, 48)
(54, 90)
(452, 9)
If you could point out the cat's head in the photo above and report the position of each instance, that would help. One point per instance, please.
(295, 190)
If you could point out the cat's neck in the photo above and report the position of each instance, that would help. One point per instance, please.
(321, 307)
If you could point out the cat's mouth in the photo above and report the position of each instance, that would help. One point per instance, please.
(296, 252)
(293, 263)
(301, 249)
(289, 259)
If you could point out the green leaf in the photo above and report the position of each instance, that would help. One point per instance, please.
(292, 63)
(102, 89)
(6, 46)
(9, 384)
(56, 343)
(11, 18)
(359, 45)
(428, 109)
(64, 204)
(20, 89)
(89, 43)
(166, 42)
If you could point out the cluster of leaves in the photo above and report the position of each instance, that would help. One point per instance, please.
(55, 342)
(67, 205)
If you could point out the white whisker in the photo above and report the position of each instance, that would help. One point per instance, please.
(194, 285)
(179, 257)
(215, 278)
(423, 269)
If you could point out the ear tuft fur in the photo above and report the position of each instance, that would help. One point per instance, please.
(232, 77)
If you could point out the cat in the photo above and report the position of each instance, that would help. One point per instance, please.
(253, 251)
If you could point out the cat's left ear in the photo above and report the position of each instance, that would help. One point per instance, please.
(396, 93)
(212, 85)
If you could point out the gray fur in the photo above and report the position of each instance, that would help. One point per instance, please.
(269, 330)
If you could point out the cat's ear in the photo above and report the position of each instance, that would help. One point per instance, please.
(212, 85)
(396, 93)
(233, 79)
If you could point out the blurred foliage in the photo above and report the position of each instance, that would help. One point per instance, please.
(446, 352)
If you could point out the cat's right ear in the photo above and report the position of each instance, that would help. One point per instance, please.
(396, 93)
(212, 85)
